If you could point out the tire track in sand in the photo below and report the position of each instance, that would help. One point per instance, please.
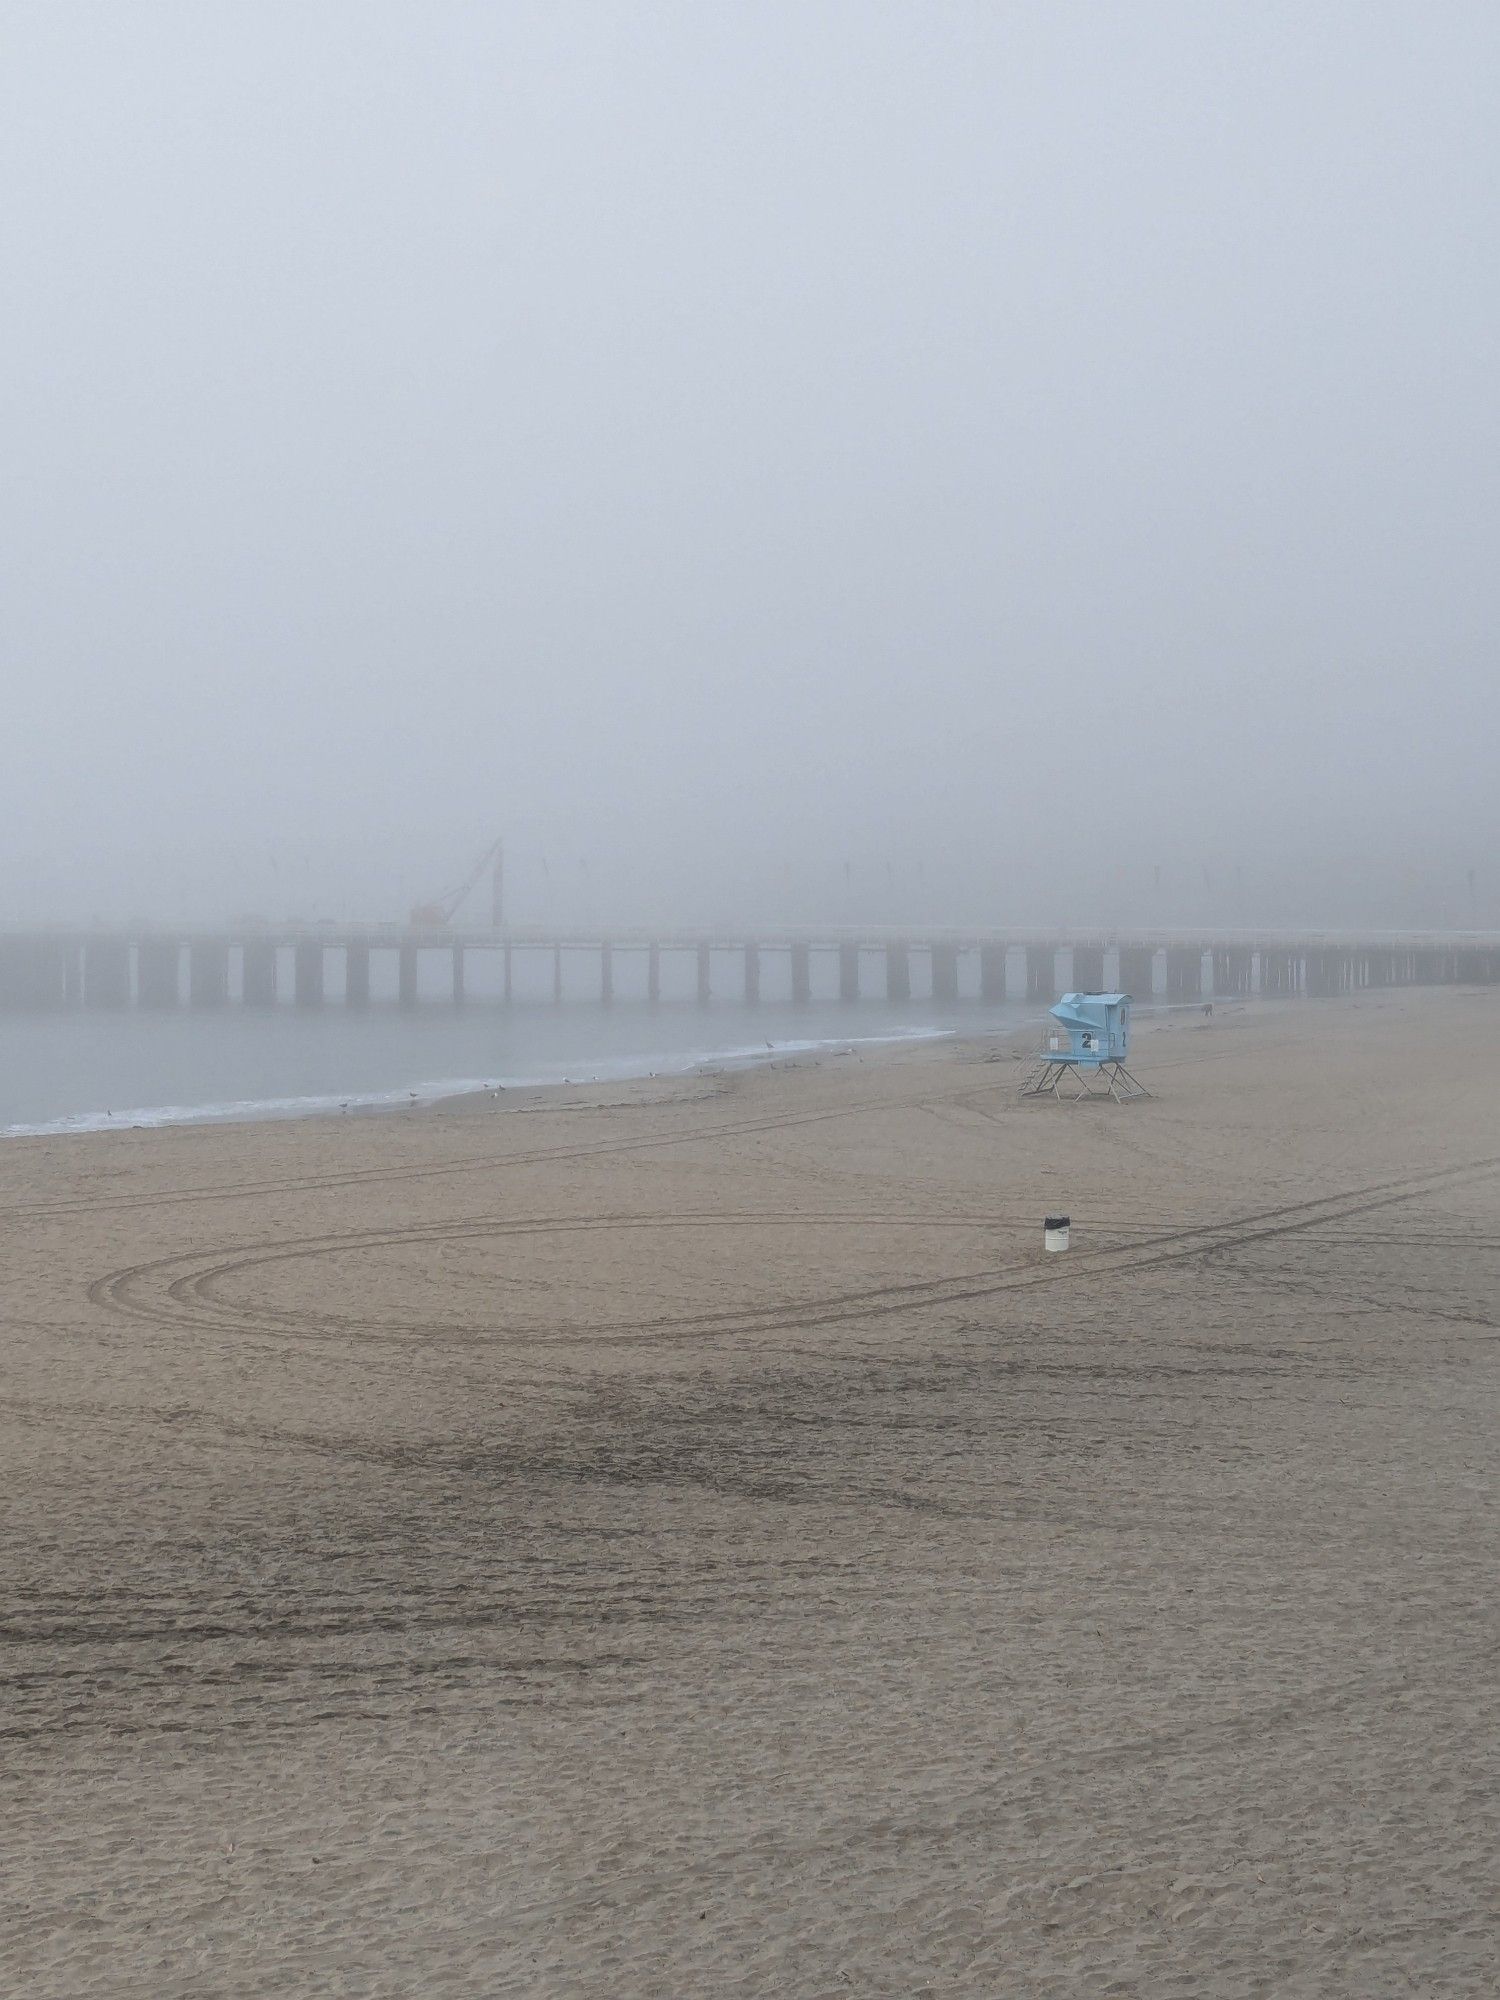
(395, 1175)
(185, 1292)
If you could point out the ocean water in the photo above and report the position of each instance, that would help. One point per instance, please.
(78, 1071)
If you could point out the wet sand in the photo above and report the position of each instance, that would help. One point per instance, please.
(686, 1539)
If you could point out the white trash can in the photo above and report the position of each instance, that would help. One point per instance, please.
(1055, 1232)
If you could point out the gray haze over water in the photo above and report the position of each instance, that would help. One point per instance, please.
(799, 462)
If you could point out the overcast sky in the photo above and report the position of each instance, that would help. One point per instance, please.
(896, 460)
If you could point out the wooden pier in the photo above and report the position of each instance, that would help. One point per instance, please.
(362, 966)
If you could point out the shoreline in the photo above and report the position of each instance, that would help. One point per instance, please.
(448, 1092)
(452, 1093)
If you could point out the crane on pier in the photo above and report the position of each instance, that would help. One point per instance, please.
(438, 914)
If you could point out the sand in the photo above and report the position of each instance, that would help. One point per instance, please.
(687, 1539)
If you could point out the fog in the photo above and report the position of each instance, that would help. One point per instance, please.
(972, 463)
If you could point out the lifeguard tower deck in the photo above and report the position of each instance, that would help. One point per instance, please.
(1093, 1062)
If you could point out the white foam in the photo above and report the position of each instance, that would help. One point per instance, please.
(621, 1069)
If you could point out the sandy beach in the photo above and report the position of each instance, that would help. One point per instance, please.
(685, 1538)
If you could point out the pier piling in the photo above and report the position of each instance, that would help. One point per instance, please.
(992, 974)
(357, 974)
(1041, 972)
(1184, 975)
(158, 972)
(258, 977)
(898, 971)
(1280, 973)
(106, 973)
(801, 974)
(848, 972)
(208, 972)
(1136, 972)
(307, 973)
(1231, 971)
(1088, 968)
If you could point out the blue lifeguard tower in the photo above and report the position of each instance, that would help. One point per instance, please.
(1093, 1060)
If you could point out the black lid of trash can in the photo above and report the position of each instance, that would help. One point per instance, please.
(1056, 1221)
